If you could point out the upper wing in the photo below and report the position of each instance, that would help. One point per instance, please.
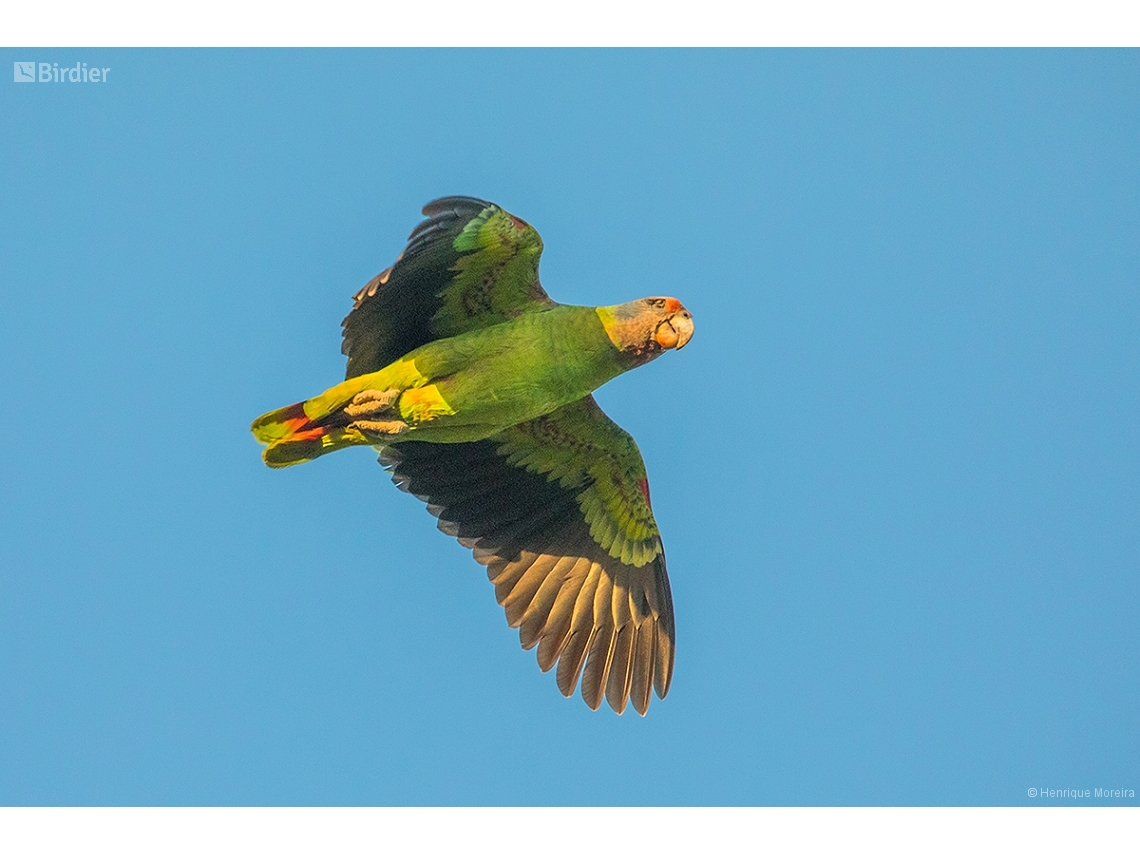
(558, 510)
(469, 265)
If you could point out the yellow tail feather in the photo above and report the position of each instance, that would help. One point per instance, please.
(309, 445)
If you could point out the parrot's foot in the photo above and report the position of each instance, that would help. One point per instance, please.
(385, 428)
(373, 402)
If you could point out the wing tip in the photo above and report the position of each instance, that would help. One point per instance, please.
(445, 203)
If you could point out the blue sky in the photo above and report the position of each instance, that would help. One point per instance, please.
(896, 470)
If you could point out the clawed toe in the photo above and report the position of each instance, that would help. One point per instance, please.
(372, 402)
(384, 428)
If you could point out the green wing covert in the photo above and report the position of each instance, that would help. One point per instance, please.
(469, 265)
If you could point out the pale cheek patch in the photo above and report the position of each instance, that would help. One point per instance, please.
(667, 336)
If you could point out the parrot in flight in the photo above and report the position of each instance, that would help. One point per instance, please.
(475, 388)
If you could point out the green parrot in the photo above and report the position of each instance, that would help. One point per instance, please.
(475, 388)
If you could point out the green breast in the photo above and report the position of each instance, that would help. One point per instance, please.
(513, 372)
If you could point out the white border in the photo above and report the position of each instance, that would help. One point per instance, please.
(567, 830)
(602, 23)
(569, 23)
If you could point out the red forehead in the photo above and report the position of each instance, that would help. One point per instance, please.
(672, 304)
(519, 224)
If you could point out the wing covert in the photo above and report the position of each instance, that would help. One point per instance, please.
(469, 265)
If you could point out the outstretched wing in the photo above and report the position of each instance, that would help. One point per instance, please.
(469, 265)
(558, 510)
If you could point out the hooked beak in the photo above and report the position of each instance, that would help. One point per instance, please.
(675, 332)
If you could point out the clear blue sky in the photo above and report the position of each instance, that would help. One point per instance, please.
(896, 470)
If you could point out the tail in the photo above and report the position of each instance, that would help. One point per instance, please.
(292, 437)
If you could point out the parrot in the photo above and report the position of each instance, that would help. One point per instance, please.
(475, 388)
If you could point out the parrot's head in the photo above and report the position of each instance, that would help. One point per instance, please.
(647, 328)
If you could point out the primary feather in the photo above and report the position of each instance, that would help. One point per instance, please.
(475, 387)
